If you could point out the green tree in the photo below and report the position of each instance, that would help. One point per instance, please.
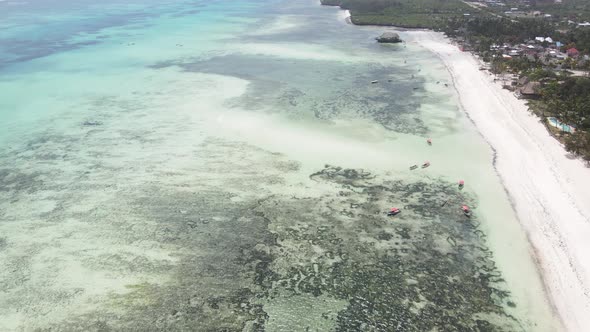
(579, 144)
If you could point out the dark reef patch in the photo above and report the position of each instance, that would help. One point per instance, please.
(425, 269)
(324, 90)
(397, 274)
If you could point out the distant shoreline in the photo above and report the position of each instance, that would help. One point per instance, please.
(350, 20)
(549, 191)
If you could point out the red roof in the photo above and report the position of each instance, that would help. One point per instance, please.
(573, 51)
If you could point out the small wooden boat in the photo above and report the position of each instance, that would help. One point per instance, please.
(375, 81)
(393, 212)
(413, 167)
(426, 164)
(466, 211)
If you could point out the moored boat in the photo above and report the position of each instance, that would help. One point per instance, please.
(394, 211)
(466, 211)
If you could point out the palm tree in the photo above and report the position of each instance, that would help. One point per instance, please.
(574, 143)
(549, 94)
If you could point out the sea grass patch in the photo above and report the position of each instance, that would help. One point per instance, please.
(334, 262)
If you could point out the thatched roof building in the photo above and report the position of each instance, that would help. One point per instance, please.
(531, 90)
(523, 80)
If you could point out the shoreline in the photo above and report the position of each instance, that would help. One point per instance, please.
(547, 189)
(348, 19)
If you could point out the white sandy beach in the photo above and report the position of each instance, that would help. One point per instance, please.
(549, 189)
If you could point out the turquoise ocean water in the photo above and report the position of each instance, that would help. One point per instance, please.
(226, 165)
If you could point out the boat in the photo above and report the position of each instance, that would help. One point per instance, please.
(461, 184)
(426, 164)
(375, 81)
(393, 212)
(429, 141)
(413, 167)
(466, 211)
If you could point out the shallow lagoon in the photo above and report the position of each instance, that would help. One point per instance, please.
(225, 166)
